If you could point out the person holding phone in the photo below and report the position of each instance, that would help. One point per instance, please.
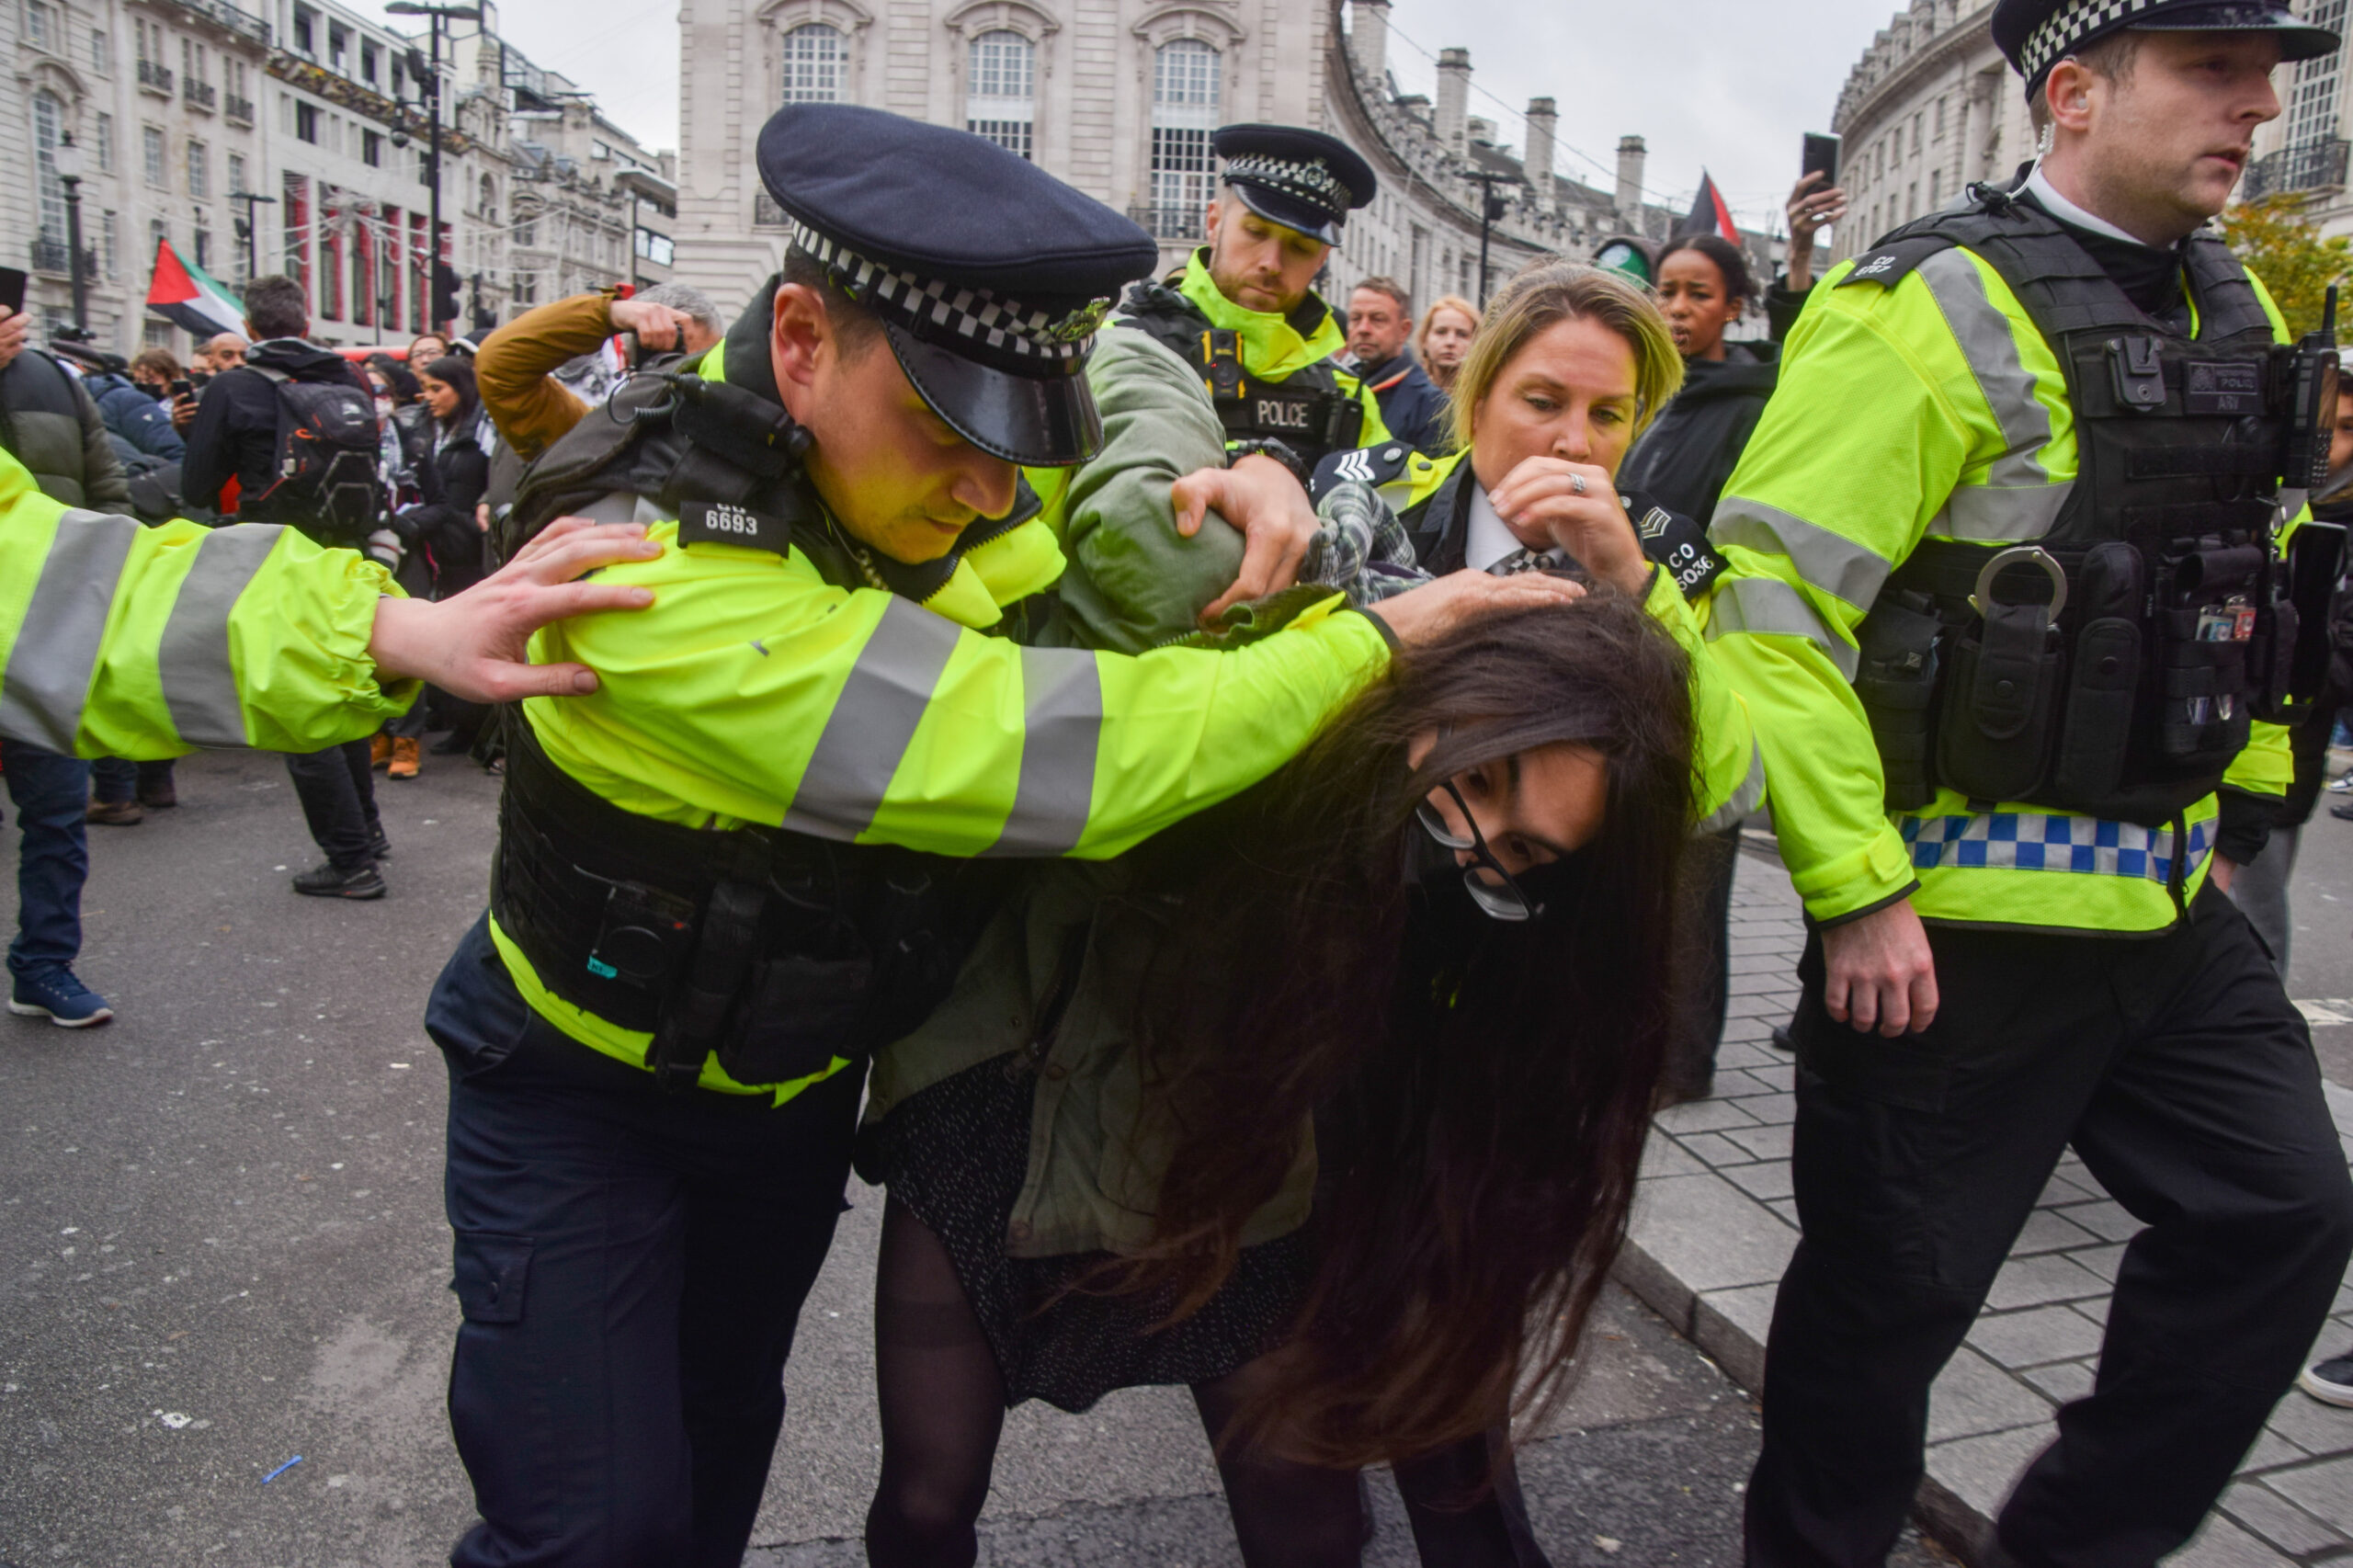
(1816, 201)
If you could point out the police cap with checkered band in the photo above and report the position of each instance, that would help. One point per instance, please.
(1300, 178)
(990, 277)
(2035, 35)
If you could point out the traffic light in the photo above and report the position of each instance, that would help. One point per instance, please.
(1496, 207)
(445, 291)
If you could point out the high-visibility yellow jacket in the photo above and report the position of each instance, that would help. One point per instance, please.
(119, 640)
(1933, 409)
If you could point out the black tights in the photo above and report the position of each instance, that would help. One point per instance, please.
(943, 1409)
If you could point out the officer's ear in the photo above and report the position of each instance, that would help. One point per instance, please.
(2067, 95)
(800, 333)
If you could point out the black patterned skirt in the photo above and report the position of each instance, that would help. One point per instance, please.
(957, 1154)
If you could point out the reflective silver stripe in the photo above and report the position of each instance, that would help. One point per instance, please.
(872, 722)
(1827, 559)
(1063, 699)
(1981, 512)
(1992, 350)
(1768, 605)
(620, 506)
(199, 681)
(56, 650)
(1743, 799)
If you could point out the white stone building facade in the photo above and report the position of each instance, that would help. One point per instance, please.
(2302, 152)
(1119, 97)
(1930, 109)
(291, 137)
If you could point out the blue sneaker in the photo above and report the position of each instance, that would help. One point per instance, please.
(61, 999)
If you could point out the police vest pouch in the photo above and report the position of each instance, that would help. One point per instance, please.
(698, 1007)
(2104, 678)
(1993, 736)
(1896, 680)
(798, 1014)
(2210, 615)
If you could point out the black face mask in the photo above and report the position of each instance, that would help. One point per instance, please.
(1434, 881)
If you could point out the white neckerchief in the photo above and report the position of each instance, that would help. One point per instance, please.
(2066, 212)
(1489, 539)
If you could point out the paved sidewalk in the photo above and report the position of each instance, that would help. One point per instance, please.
(1714, 1225)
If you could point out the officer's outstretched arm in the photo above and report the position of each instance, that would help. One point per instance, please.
(758, 693)
(475, 644)
(118, 640)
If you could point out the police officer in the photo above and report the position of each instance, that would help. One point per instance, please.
(754, 858)
(1242, 310)
(2002, 600)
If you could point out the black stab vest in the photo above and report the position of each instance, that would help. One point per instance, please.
(2175, 630)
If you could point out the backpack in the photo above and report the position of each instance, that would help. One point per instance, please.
(327, 452)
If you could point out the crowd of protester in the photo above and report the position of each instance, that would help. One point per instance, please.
(413, 459)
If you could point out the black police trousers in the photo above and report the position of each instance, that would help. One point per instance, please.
(631, 1267)
(2182, 1074)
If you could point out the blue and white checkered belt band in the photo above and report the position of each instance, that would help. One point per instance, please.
(2034, 842)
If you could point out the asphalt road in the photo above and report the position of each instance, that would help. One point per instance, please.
(222, 1246)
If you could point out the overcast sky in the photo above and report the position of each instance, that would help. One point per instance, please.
(1728, 85)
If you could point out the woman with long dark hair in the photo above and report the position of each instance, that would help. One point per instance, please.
(1441, 938)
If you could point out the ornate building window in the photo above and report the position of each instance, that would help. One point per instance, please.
(2312, 92)
(814, 56)
(49, 126)
(1001, 94)
(1185, 109)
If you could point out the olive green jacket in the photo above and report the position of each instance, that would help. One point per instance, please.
(1133, 582)
(1053, 974)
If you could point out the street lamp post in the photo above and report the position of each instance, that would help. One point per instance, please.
(1490, 207)
(436, 15)
(249, 231)
(66, 159)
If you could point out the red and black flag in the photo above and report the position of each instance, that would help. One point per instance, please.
(1710, 215)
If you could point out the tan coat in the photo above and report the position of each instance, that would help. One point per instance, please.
(512, 371)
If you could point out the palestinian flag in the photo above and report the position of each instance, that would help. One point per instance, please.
(188, 297)
(1710, 215)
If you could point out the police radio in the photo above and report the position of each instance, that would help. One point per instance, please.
(2311, 411)
(2292, 659)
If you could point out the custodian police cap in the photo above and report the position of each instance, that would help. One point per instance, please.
(2035, 35)
(990, 276)
(1300, 178)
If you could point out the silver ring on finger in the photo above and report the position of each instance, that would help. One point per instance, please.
(1577, 484)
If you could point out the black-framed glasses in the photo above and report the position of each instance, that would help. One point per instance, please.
(1503, 900)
